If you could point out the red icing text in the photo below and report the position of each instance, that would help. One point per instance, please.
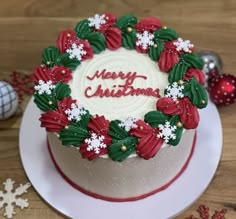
(119, 90)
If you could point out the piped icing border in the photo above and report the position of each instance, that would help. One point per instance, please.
(94, 135)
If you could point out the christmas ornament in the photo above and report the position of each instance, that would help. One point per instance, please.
(212, 62)
(8, 100)
(9, 198)
(222, 89)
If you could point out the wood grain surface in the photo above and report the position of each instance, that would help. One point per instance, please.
(27, 26)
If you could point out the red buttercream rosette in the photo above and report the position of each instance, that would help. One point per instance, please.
(149, 144)
(55, 74)
(194, 72)
(187, 112)
(146, 28)
(55, 121)
(96, 145)
(68, 38)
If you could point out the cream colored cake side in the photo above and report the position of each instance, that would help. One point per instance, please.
(132, 177)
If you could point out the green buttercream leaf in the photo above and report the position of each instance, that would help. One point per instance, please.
(155, 118)
(178, 71)
(50, 55)
(42, 102)
(196, 93)
(85, 119)
(73, 135)
(166, 34)
(82, 29)
(193, 60)
(97, 42)
(129, 39)
(116, 132)
(115, 152)
(126, 21)
(178, 133)
(153, 52)
(60, 91)
(67, 62)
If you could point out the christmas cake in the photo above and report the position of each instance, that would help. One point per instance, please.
(119, 100)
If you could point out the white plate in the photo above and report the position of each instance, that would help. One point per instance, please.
(166, 204)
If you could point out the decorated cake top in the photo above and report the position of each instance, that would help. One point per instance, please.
(84, 81)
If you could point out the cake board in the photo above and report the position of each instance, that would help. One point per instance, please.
(163, 205)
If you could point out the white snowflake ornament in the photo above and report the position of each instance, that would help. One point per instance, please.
(183, 45)
(97, 21)
(95, 143)
(76, 51)
(167, 132)
(145, 39)
(9, 197)
(175, 91)
(75, 112)
(44, 87)
(128, 123)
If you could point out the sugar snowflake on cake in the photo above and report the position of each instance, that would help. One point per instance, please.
(75, 112)
(95, 143)
(174, 91)
(8, 197)
(44, 87)
(128, 123)
(97, 21)
(183, 45)
(144, 39)
(76, 51)
(167, 132)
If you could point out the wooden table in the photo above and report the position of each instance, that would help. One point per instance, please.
(27, 26)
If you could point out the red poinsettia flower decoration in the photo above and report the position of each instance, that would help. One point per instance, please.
(149, 144)
(99, 140)
(145, 29)
(68, 42)
(105, 25)
(194, 72)
(55, 121)
(55, 74)
(187, 112)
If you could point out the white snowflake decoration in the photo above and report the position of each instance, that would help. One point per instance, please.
(97, 21)
(175, 91)
(76, 51)
(128, 123)
(95, 143)
(183, 45)
(9, 197)
(44, 87)
(167, 132)
(75, 112)
(145, 39)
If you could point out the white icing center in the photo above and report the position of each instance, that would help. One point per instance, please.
(121, 60)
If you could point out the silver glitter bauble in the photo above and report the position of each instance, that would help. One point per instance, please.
(212, 63)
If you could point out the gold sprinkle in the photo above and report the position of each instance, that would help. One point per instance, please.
(107, 18)
(179, 124)
(203, 101)
(129, 29)
(68, 35)
(123, 148)
(155, 45)
(180, 82)
(66, 127)
(141, 127)
(63, 72)
(164, 27)
(50, 102)
(48, 63)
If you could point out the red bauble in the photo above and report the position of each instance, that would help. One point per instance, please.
(222, 89)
